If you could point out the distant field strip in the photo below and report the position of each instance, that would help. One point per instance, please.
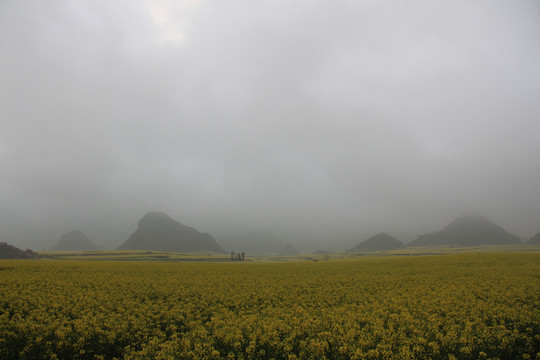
(454, 306)
(135, 255)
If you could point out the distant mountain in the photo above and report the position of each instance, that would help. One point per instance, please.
(74, 241)
(258, 243)
(378, 242)
(8, 251)
(156, 231)
(468, 231)
(287, 249)
(535, 240)
(321, 252)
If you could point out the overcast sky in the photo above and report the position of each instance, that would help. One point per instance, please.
(312, 119)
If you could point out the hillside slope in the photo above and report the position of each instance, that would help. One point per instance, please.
(75, 240)
(470, 230)
(8, 251)
(158, 232)
(380, 241)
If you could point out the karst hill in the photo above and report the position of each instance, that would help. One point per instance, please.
(74, 240)
(468, 230)
(378, 242)
(156, 231)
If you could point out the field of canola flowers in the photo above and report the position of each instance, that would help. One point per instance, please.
(465, 306)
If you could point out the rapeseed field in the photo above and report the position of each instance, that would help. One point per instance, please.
(459, 306)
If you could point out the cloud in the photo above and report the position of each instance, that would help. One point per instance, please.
(308, 118)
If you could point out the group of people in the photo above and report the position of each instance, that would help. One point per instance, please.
(237, 256)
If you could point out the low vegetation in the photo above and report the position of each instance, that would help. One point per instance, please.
(8, 251)
(457, 306)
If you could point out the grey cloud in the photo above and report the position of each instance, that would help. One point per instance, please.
(314, 120)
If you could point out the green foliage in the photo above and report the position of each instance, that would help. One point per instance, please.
(465, 306)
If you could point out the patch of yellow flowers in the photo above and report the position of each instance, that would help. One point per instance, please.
(466, 306)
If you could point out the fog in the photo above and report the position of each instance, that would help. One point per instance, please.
(315, 120)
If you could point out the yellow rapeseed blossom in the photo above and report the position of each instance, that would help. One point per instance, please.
(466, 306)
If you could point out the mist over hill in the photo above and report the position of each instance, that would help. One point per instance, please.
(74, 240)
(468, 230)
(258, 243)
(158, 232)
(288, 249)
(377, 242)
(535, 240)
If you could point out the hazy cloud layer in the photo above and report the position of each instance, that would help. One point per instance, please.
(314, 120)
